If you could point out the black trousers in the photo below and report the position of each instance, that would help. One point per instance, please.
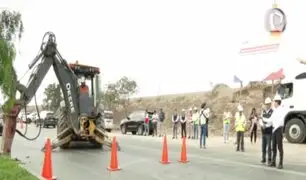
(266, 146)
(254, 133)
(183, 129)
(277, 142)
(240, 140)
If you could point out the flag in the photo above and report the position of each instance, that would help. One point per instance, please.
(237, 80)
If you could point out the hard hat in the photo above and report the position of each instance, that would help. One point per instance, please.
(268, 100)
(195, 108)
(183, 110)
(277, 98)
(240, 108)
(190, 109)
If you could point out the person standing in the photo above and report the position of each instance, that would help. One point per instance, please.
(146, 124)
(195, 119)
(226, 125)
(266, 129)
(183, 121)
(277, 119)
(240, 123)
(175, 122)
(154, 123)
(161, 118)
(204, 115)
(254, 121)
(189, 124)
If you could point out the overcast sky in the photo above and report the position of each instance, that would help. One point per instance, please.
(167, 46)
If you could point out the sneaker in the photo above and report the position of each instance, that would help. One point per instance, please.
(280, 166)
(272, 164)
(263, 161)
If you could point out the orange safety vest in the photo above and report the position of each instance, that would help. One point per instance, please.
(84, 89)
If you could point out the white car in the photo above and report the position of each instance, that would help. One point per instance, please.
(108, 120)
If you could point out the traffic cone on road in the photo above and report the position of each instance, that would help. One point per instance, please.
(164, 158)
(113, 166)
(183, 152)
(47, 166)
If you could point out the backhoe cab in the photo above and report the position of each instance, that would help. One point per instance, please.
(91, 125)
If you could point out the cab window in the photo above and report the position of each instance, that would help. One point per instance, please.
(108, 115)
(285, 90)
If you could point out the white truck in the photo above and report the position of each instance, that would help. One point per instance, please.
(292, 91)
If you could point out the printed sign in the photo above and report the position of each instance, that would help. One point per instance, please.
(276, 20)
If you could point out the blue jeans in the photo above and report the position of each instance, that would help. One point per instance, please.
(203, 135)
(146, 129)
(226, 132)
(196, 131)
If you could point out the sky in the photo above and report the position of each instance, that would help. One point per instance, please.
(166, 46)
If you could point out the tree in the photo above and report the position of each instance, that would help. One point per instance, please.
(110, 96)
(119, 93)
(11, 29)
(126, 88)
(53, 97)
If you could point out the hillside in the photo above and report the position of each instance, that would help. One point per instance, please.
(220, 98)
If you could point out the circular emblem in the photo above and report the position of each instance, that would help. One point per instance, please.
(276, 20)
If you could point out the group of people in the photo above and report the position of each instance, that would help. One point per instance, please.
(191, 122)
(271, 122)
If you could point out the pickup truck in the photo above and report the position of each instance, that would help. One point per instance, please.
(48, 120)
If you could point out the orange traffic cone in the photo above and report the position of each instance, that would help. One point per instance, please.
(47, 167)
(164, 158)
(184, 152)
(114, 160)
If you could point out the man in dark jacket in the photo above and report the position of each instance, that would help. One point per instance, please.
(161, 118)
(266, 131)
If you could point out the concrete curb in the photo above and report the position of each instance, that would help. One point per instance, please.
(31, 172)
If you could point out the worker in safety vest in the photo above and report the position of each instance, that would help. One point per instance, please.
(240, 124)
(226, 125)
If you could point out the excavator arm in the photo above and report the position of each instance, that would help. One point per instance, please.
(49, 56)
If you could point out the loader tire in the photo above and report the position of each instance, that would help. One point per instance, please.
(62, 125)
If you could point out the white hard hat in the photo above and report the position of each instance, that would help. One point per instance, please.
(183, 110)
(268, 100)
(240, 108)
(190, 109)
(277, 98)
(195, 108)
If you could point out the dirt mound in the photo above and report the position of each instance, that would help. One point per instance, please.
(221, 97)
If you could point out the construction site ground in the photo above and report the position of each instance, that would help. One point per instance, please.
(140, 156)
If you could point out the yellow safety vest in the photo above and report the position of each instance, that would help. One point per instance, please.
(226, 121)
(240, 122)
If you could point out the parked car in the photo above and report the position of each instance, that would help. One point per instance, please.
(134, 123)
(47, 119)
(108, 120)
(1, 124)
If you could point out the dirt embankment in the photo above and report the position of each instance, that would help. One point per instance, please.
(219, 99)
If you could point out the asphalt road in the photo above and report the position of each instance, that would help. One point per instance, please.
(140, 156)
